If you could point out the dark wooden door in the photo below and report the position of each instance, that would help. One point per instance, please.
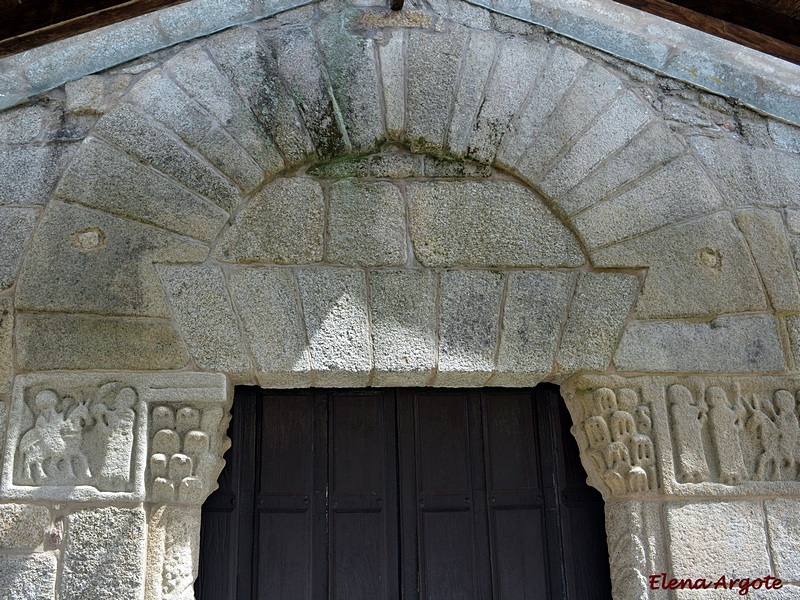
(414, 494)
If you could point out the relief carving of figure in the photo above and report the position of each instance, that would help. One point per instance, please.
(726, 422)
(762, 428)
(52, 449)
(688, 419)
(789, 429)
(115, 423)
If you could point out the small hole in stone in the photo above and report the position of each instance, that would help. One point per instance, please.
(93, 238)
(710, 258)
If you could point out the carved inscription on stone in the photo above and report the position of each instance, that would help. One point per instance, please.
(85, 436)
(614, 429)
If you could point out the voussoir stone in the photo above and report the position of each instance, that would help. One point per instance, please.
(83, 260)
(698, 268)
(335, 308)
(105, 178)
(728, 344)
(469, 322)
(81, 342)
(28, 576)
(99, 542)
(16, 223)
(28, 174)
(22, 526)
(205, 317)
(486, 223)
(534, 312)
(268, 303)
(283, 223)
(403, 311)
(393, 82)
(6, 347)
(675, 192)
(366, 224)
(600, 305)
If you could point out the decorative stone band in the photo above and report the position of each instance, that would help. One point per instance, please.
(687, 436)
(116, 436)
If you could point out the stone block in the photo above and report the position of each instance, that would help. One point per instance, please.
(205, 317)
(611, 131)
(597, 314)
(434, 60)
(396, 166)
(649, 149)
(556, 78)
(28, 576)
(189, 21)
(469, 322)
(267, 301)
(86, 95)
(255, 71)
(104, 178)
(283, 223)
(766, 236)
(403, 313)
(340, 169)
(464, 223)
(438, 167)
(78, 342)
(728, 344)
(23, 124)
(699, 268)
(729, 536)
(3, 422)
(22, 526)
(157, 95)
(28, 174)
(6, 348)
(469, 15)
(751, 176)
(335, 308)
(784, 536)
(300, 67)
(477, 65)
(229, 157)
(592, 90)
(99, 542)
(793, 328)
(393, 82)
(82, 260)
(675, 192)
(366, 224)
(16, 225)
(517, 66)
(785, 136)
(351, 64)
(132, 132)
(173, 552)
(194, 70)
(534, 312)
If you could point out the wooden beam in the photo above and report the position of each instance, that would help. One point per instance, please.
(740, 21)
(25, 24)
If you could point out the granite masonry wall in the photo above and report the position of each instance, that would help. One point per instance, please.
(341, 196)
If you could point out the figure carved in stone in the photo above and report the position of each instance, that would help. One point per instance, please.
(761, 426)
(619, 448)
(726, 423)
(52, 449)
(688, 418)
(789, 429)
(115, 422)
(180, 452)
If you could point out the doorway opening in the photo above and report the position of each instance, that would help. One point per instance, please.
(412, 494)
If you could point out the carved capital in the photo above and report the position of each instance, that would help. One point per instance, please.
(93, 436)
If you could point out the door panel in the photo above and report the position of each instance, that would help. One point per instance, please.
(413, 494)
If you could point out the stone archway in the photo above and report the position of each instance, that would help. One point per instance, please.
(204, 201)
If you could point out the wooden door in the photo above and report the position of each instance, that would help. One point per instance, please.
(414, 494)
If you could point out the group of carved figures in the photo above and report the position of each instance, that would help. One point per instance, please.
(618, 429)
(54, 450)
(769, 428)
(179, 451)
